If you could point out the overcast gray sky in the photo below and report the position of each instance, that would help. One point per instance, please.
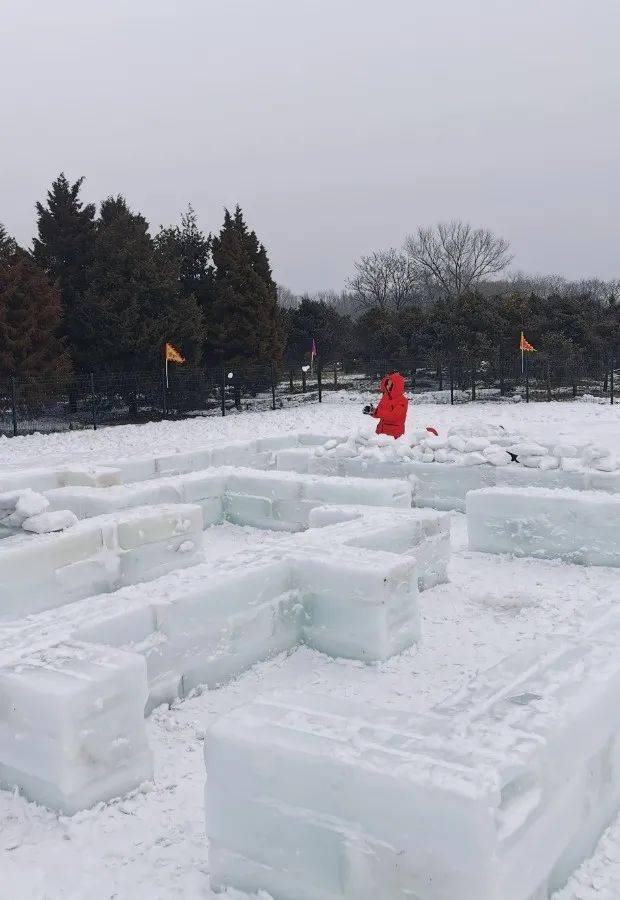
(338, 125)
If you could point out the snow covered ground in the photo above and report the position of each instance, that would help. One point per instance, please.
(152, 844)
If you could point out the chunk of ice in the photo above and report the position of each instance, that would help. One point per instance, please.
(577, 526)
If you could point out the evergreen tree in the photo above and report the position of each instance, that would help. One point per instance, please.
(64, 249)
(8, 246)
(243, 322)
(316, 319)
(132, 305)
(189, 249)
(30, 314)
(380, 334)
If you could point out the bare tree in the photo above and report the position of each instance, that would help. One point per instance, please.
(286, 298)
(594, 289)
(453, 258)
(384, 280)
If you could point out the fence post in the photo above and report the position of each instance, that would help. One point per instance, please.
(223, 390)
(14, 405)
(290, 381)
(611, 375)
(93, 400)
(451, 369)
(273, 386)
(319, 380)
(335, 376)
(303, 381)
(473, 380)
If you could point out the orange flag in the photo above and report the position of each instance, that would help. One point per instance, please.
(525, 345)
(173, 355)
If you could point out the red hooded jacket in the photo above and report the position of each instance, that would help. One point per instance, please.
(392, 408)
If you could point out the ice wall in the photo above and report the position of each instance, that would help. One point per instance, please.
(258, 454)
(347, 586)
(264, 499)
(576, 526)
(497, 794)
(443, 481)
(101, 554)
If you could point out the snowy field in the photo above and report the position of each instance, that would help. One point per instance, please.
(151, 845)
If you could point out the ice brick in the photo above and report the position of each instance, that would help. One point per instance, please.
(40, 571)
(368, 492)
(72, 725)
(446, 486)
(577, 526)
(361, 606)
(295, 459)
(92, 476)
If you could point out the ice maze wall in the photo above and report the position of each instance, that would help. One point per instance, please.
(443, 485)
(499, 793)
(117, 613)
(437, 485)
(101, 554)
(575, 526)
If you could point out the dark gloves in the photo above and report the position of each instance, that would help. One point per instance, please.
(367, 410)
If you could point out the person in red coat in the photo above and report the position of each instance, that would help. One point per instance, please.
(392, 408)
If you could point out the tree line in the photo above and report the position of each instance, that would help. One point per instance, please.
(98, 292)
(443, 299)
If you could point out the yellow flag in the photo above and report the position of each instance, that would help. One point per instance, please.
(525, 345)
(173, 355)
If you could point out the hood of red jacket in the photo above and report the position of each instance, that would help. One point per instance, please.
(398, 382)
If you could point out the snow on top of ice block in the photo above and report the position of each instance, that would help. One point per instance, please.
(321, 548)
(474, 742)
(415, 748)
(547, 493)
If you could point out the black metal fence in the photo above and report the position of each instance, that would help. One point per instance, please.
(99, 399)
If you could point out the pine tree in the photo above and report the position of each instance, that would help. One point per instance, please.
(315, 319)
(30, 314)
(8, 246)
(190, 250)
(132, 305)
(243, 320)
(64, 249)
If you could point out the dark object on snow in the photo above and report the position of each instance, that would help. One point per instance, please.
(513, 456)
(367, 410)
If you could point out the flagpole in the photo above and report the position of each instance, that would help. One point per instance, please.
(527, 383)
(522, 361)
(167, 385)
